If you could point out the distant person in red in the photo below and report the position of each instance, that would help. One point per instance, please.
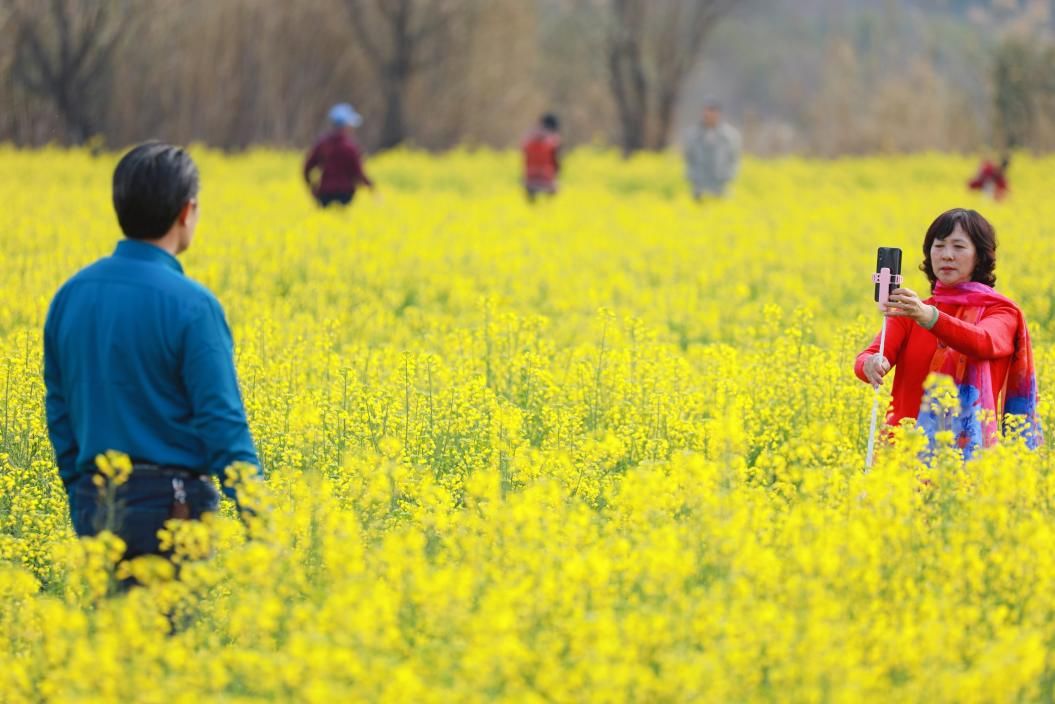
(542, 157)
(991, 178)
(337, 156)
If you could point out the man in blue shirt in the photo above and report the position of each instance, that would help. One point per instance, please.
(138, 358)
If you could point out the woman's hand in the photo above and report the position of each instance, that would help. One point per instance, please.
(904, 303)
(875, 368)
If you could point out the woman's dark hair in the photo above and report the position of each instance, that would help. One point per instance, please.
(974, 226)
(152, 183)
(550, 122)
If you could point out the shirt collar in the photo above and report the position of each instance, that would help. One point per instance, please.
(341, 136)
(146, 252)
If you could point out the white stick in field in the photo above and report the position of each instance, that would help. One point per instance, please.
(883, 279)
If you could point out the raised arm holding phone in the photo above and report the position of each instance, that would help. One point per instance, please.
(965, 330)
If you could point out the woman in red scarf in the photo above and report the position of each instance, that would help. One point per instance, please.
(965, 330)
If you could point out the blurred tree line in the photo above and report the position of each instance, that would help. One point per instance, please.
(869, 76)
(816, 76)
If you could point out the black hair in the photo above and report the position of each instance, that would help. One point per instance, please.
(975, 227)
(152, 183)
(550, 122)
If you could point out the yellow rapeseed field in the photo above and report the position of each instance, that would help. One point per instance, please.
(609, 448)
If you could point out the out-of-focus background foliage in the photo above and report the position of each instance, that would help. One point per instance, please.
(824, 77)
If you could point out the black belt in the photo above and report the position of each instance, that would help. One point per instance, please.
(147, 469)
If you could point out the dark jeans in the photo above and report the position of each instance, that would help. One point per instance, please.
(326, 198)
(143, 505)
(534, 189)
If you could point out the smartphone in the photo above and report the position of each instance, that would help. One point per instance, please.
(888, 258)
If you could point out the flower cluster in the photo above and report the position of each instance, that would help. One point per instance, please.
(607, 448)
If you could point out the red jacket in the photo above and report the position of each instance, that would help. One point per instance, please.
(910, 349)
(341, 163)
(541, 157)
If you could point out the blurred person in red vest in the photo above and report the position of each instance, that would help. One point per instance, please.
(339, 159)
(992, 178)
(541, 150)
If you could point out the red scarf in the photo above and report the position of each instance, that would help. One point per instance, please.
(979, 420)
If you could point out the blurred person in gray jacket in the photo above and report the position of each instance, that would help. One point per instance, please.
(712, 153)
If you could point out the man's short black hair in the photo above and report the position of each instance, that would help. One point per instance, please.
(152, 183)
(550, 122)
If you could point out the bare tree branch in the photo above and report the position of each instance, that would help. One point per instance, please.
(73, 70)
(90, 38)
(37, 81)
(62, 23)
(418, 34)
(358, 18)
(433, 39)
(391, 9)
(651, 47)
(626, 71)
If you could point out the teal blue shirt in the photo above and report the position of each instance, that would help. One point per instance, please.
(139, 358)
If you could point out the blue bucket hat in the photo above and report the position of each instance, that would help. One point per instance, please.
(343, 114)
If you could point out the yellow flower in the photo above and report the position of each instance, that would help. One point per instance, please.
(606, 449)
(115, 466)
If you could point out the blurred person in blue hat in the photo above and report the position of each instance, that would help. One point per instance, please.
(338, 159)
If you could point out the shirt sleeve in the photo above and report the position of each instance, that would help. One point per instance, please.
(311, 162)
(896, 335)
(218, 414)
(60, 428)
(357, 167)
(735, 148)
(984, 173)
(992, 338)
(686, 146)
